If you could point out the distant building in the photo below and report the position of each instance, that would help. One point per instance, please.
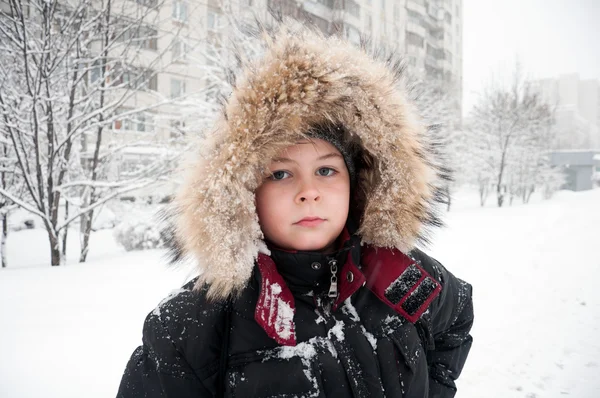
(582, 168)
(577, 105)
(188, 36)
(428, 32)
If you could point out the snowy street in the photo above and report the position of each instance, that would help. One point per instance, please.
(68, 331)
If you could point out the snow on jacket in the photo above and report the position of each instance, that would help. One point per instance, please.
(258, 322)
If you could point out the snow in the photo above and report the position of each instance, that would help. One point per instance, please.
(337, 330)
(306, 352)
(281, 310)
(534, 271)
(68, 331)
(372, 340)
(349, 310)
(145, 150)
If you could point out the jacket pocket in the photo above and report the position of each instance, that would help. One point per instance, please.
(267, 377)
(403, 363)
(408, 345)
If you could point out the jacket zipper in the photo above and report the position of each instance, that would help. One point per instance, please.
(333, 288)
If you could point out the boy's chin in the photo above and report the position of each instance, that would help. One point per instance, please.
(316, 245)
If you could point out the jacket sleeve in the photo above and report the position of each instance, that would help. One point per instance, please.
(160, 368)
(450, 319)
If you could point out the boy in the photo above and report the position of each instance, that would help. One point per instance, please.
(303, 217)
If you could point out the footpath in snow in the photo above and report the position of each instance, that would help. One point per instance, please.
(68, 331)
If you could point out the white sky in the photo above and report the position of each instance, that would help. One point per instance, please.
(548, 37)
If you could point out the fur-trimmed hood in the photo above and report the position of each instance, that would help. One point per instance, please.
(303, 80)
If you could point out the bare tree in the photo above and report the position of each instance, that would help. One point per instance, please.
(10, 181)
(439, 106)
(74, 69)
(509, 135)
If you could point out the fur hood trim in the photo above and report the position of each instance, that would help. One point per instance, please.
(304, 79)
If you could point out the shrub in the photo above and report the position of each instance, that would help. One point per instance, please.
(139, 234)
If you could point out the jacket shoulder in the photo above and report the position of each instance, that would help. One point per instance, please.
(456, 295)
(190, 324)
(428, 263)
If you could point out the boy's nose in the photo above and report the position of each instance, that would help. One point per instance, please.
(308, 192)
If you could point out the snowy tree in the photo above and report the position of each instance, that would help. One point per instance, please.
(9, 181)
(70, 71)
(507, 138)
(439, 105)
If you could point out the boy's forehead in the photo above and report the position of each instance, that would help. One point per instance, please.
(307, 147)
(318, 144)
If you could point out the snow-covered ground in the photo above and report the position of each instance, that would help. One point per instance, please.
(68, 331)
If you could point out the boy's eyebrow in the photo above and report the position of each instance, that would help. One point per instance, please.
(324, 157)
(330, 155)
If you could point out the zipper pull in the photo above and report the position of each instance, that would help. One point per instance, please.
(333, 290)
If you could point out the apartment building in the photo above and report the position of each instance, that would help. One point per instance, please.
(186, 35)
(427, 32)
(180, 41)
(577, 104)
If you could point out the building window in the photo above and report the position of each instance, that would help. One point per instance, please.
(436, 53)
(212, 20)
(352, 8)
(147, 3)
(327, 3)
(145, 123)
(95, 72)
(180, 10)
(177, 88)
(352, 34)
(413, 15)
(448, 56)
(383, 5)
(141, 36)
(457, 11)
(179, 49)
(212, 55)
(147, 38)
(135, 78)
(177, 128)
(368, 23)
(142, 122)
(414, 39)
(448, 18)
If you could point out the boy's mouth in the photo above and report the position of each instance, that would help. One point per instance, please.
(310, 222)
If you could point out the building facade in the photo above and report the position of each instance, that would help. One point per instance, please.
(577, 104)
(178, 49)
(581, 168)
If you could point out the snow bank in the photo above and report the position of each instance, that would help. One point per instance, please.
(68, 331)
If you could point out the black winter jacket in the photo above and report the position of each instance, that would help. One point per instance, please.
(359, 347)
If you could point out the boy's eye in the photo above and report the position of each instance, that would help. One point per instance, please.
(279, 175)
(326, 172)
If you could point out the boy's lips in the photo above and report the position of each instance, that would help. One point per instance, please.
(310, 222)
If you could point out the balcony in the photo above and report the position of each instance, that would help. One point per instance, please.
(432, 62)
(413, 27)
(318, 9)
(416, 6)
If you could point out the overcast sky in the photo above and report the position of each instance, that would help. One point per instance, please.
(549, 37)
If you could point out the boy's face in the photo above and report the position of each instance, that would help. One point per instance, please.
(304, 204)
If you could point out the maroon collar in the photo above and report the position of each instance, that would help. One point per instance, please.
(392, 276)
